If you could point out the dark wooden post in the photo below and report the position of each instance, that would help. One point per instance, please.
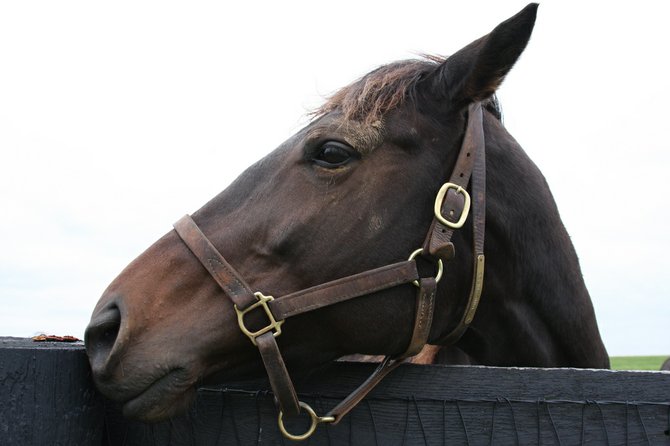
(46, 395)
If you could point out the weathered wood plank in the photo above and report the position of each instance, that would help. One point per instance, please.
(46, 397)
(426, 405)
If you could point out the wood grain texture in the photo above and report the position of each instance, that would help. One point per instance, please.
(47, 398)
(434, 405)
(46, 395)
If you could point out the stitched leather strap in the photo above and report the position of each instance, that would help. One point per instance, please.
(224, 274)
(470, 168)
(280, 380)
(438, 243)
(344, 289)
(423, 319)
(355, 397)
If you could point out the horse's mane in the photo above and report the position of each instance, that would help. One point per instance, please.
(389, 86)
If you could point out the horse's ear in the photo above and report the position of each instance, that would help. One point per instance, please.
(475, 72)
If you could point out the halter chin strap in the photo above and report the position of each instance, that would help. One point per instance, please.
(452, 207)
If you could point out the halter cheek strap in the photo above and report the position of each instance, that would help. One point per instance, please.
(451, 211)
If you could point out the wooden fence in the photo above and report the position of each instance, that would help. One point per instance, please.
(46, 398)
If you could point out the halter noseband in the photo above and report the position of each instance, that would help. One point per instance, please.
(452, 208)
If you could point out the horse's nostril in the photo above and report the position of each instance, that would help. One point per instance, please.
(101, 336)
(108, 333)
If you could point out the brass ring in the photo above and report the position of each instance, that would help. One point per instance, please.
(440, 267)
(315, 420)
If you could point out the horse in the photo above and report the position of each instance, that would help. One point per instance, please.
(336, 210)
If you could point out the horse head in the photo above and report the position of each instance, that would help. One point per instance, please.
(352, 191)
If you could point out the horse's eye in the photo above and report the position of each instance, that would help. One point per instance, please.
(334, 154)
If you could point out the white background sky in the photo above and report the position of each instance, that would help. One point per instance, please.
(117, 118)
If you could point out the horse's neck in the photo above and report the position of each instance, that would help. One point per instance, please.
(535, 309)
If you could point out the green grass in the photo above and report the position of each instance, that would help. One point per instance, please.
(637, 362)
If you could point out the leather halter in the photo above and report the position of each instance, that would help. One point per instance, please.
(452, 207)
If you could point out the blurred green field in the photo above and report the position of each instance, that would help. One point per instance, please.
(637, 362)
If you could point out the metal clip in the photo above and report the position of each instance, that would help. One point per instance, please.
(440, 199)
(273, 325)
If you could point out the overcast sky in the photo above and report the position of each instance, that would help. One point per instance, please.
(117, 118)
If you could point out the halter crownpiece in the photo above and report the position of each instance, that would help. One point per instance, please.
(453, 206)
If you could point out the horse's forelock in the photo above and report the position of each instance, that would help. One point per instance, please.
(367, 99)
(370, 97)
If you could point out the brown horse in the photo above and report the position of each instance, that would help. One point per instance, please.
(352, 191)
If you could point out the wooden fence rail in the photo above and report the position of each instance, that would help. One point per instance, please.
(47, 398)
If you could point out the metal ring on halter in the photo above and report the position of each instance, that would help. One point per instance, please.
(440, 267)
(315, 421)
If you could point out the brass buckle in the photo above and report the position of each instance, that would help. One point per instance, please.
(315, 420)
(273, 325)
(440, 267)
(440, 199)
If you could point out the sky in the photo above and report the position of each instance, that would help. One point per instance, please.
(118, 118)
